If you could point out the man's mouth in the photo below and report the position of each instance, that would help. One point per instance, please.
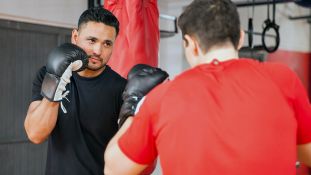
(94, 59)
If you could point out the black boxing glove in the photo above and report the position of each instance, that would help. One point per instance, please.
(60, 64)
(141, 79)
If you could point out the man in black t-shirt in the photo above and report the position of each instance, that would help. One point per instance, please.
(79, 123)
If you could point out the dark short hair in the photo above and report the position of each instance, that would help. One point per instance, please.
(101, 15)
(212, 22)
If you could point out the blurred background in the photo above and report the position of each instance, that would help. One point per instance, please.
(30, 29)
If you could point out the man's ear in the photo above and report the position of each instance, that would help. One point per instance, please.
(241, 40)
(191, 44)
(74, 36)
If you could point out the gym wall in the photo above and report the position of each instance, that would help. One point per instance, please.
(28, 31)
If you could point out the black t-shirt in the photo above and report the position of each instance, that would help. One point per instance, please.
(77, 143)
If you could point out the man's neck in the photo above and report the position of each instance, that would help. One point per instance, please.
(91, 73)
(221, 54)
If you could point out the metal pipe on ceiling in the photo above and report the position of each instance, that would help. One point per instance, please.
(261, 2)
(299, 17)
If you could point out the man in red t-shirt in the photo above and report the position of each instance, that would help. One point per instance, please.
(224, 116)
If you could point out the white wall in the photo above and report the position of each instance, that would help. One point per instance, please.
(62, 13)
(171, 54)
(294, 34)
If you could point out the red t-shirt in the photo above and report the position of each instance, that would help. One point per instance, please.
(237, 117)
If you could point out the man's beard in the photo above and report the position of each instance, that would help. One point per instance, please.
(92, 67)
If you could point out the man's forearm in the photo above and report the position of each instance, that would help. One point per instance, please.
(40, 120)
(304, 154)
(115, 161)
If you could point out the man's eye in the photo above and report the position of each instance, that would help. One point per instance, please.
(92, 41)
(107, 44)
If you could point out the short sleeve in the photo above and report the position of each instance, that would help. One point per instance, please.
(119, 101)
(302, 112)
(37, 83)
(294, 90)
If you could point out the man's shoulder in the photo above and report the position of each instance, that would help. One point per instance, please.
(280, 75)
(273, 69)
(115, 75)
(37, 83)
(280, 72)
(40, 73)
(185, 76)
(277, 67)
(42, 70)
(116, 78)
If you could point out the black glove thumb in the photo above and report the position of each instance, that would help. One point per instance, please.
(141, 79)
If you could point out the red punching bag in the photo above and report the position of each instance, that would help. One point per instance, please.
(138, 40)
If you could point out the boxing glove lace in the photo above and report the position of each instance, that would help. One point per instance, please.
(60, 64)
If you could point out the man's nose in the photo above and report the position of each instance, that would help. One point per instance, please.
(97, 49)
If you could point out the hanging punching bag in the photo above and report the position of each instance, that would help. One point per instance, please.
(304, 3)
(138, 39)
